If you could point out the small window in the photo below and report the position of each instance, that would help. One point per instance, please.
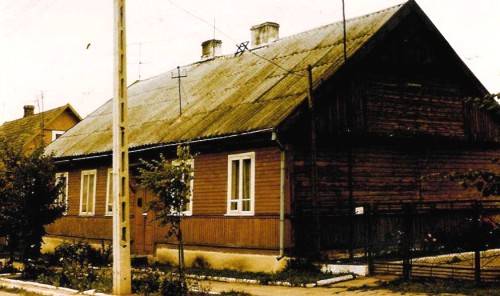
(87, 193)
(63, 197)
(109, 193)
(241, 184)
(56, 134)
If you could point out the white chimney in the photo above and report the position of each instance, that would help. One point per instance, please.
(264, 33)
(210, 49)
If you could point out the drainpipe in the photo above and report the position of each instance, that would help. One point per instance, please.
(282, 196)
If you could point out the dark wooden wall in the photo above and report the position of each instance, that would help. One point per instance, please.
(389, 173)
(386, 121)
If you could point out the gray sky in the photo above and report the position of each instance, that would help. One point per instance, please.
(43, 43)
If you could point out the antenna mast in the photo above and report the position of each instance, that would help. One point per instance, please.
(179, 77)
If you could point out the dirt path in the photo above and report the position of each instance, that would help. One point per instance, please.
(362, 286)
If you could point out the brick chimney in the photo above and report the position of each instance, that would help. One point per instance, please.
(264, 33)
(210, 49)
(29, 110)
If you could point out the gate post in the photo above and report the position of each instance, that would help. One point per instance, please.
(369, 237)
(406, 240)
(477, 244)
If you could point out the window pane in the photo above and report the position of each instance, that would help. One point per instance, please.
(246, 205)
(61, 179)
(235, 170)
(246, 178)
(234, 205)
(91, 193)
(85, 186)
(110, 192)
(64, 195)
(186, 206)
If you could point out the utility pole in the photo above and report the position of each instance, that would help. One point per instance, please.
(121, 223)
(179, 77)
(314, 169)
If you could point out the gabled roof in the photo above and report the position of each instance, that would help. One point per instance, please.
(23, 130)
(230, 94)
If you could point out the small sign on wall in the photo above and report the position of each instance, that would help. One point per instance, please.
(359, 210)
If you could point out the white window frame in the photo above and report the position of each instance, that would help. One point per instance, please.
(88, 172)
(64, 175)
(109, 197)
(241, 157)
(55, 133)
(191, 184)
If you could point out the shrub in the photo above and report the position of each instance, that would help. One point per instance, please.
(34, 268)
(173, 286)
(77, 260)
(82, 252)
(146, 281)
(7, 268)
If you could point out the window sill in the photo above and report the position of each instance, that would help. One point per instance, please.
(86, 214)
(236, 214)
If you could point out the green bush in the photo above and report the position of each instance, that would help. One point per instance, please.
(146, 281)
(33, 268)
(173, 286)
(77, 261)
(82, 252)
(7, 268)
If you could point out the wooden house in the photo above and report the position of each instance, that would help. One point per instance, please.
(392, 110)
(40, 129)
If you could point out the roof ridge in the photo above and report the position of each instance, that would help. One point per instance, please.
(231, 55)
(36, 114)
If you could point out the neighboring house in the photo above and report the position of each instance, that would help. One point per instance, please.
(393, 112)
(33, 130)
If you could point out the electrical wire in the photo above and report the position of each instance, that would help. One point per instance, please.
(234, 40)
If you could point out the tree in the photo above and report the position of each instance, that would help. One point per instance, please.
(29, 199)
(170, 182)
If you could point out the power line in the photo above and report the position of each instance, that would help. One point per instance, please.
(234, 40)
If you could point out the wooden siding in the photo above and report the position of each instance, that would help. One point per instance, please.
(409, 85)
(389, 173)
(82, 227)
(210, 182)
(208, 226)
(228, 232)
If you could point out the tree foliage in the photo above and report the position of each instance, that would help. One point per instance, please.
(29, 198)
(486, 182)
(170, 182)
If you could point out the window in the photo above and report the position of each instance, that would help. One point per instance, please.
(56, 134)
(109, 194)
(63, 197)
(241, 184)
(87, 193)
(187, 209)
